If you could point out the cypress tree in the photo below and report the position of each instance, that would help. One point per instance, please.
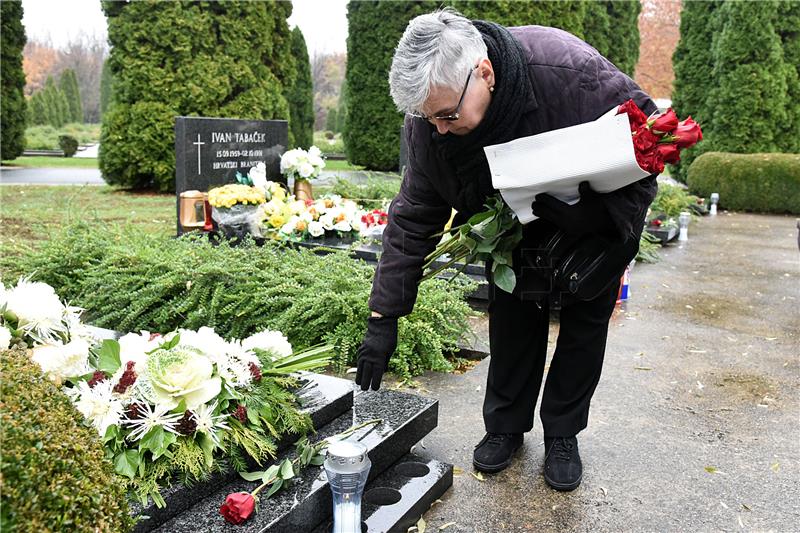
(13, 112)
(106, 89)
(624, 35)
(569, 15)
(749, 95)
(214, 59)
(331, 120)
(787, 24)
(341, 111)
(692, 62)
(301, 95)
(69, 86)
(53, 102)
(597, 27)
(38, 106)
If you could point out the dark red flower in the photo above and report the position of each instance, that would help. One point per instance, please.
(655, 222)
(669, 153)
(665, 122)
(186, 425)
(650, 161)
(644, 140)
(240, 413)
(127, 379)
(238, 507)
(255, 372)
(134, 411)
(688, 133)
(97, 377)
(635, 115)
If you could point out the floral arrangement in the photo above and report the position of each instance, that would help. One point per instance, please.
(175, 406)
(494, 233)
(376, 217)
(297, 220)
(302, 165)
(233, 194)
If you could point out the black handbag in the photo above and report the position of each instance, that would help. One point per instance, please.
(583, 266)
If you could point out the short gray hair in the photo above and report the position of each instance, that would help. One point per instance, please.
(436, 50)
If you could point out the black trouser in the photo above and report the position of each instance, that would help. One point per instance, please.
(518, 333)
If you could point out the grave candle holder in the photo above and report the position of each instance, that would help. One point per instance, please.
(347, 467)
(683, 224)
(714, 200)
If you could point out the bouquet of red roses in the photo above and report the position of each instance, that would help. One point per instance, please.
(494, 233)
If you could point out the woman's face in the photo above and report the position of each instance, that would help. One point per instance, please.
(444, 101)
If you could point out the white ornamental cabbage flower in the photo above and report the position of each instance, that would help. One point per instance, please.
(327, 221)
(315, 228)
(98, 405)
(60, 361)
(182, 373)
(134, 347)
(273, 342)
(5, 338)
(38, 310)
(258, 175)
(344, 226)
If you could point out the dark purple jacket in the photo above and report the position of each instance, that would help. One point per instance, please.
(572, 84)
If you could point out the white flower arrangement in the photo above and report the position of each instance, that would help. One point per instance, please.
(301, 164)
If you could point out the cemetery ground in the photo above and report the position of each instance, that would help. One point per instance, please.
(694, 425)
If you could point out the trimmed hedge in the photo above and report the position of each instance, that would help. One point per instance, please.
(55, 474)
(767, 183)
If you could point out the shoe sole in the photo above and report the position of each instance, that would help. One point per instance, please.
(493, 469)
(563, 487)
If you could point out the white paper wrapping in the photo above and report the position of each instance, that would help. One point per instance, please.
(555, 162)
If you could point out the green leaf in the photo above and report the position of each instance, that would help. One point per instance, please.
(126, 463)
(207, 445)
(253, 418)
(477, 218)
(274, 488)
(109, 356)
(504, 278)
(287, 472)
(317, 460)
(157, 441)
(111, 433)
(252, 476)
(270, 474)
(173, 342)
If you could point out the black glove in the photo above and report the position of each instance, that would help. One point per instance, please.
(589, 215)
(378, 346)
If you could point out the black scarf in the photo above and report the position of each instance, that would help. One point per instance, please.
(512, 90)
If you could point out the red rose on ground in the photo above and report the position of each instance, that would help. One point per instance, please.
(656, 222)
(669, 153)
(635, 115)
(666, 122)
(238, 507)
(688, 133)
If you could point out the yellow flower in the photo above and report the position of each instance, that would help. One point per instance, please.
(276, 220)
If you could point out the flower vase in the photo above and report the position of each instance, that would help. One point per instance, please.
(302, 190)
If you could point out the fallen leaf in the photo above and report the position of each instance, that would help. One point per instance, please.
(457, 471)
(478, 476)
(745, 507)
(711, 469)
(445, 526)
(435, 502)
(642, 368)
(776, 467)
(421, 525)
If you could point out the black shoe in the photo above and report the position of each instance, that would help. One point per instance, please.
(562, 463)
(495, 451)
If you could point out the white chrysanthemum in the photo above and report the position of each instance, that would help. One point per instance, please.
(235, 370)
(208, 422)
(150, 417)
(38, 310)
(273, 342)
(98, 405)
(5, 338)
(60, 361)
(134, 347)
(315, 228)
(206, 340)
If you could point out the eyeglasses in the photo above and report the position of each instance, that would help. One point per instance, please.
(455, 115)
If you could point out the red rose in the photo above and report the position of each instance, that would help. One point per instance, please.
(644, 140)
(650, 161)
(666, 122)
(635, 115)
(669, 153)
(238, 507)
(656, 222)
(687, 133)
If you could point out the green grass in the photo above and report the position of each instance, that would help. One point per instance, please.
(27, 214)
(46, 137)
(52, 162)
(340, 165)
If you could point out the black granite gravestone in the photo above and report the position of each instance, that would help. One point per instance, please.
(209, 151)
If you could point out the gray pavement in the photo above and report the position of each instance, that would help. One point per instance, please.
(695, 425)
(50, 176)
